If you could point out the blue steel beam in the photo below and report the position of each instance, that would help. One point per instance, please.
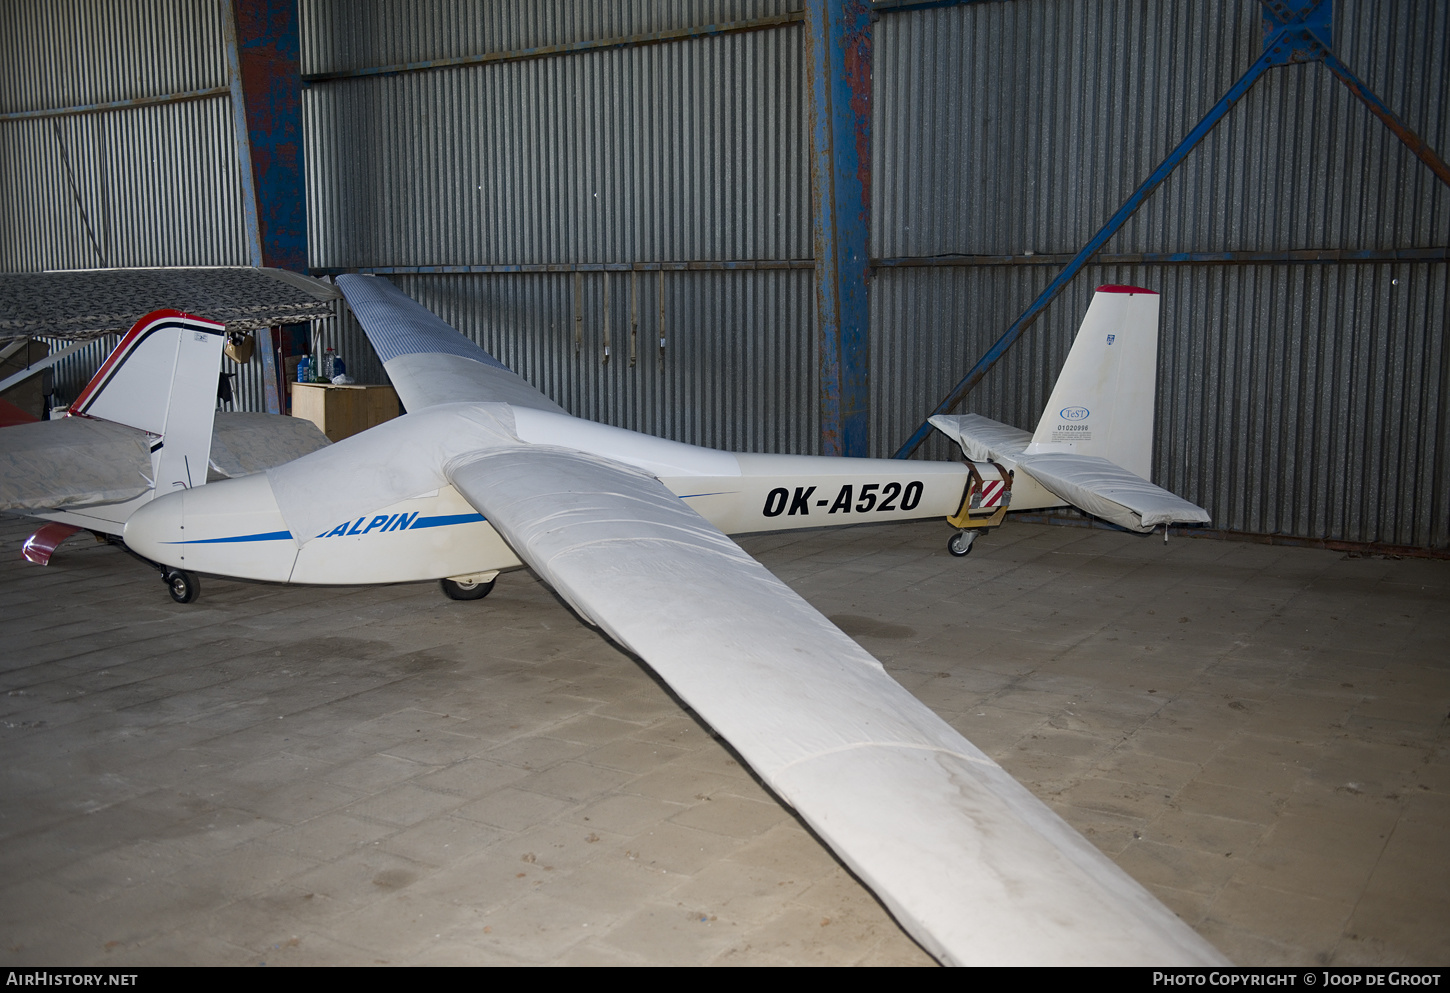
(1376, 106)
(92, 108)
(893, 6)
(267, 54)
(839, 46)
(1058, 284)
(262, 66)
(1293, 256)
(1295, 31)
(241, 138)
(709, 265)
(569, 48)
(1304, 29)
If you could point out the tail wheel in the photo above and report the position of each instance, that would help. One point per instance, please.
(960, 543)
(454, 590)
(184, 587)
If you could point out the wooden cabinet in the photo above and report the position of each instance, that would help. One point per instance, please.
(343, 411)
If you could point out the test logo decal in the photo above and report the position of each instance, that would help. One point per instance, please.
(1073, 413)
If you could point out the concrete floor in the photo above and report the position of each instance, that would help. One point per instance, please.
(381, 775)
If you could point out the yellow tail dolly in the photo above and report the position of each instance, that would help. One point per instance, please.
(970, 514)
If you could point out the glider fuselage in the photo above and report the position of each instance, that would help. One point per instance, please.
(236, 528)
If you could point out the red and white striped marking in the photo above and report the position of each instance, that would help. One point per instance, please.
(992, 490)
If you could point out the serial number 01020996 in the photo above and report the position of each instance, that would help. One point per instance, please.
(868, 497)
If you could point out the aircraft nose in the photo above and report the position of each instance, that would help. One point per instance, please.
(155, 530)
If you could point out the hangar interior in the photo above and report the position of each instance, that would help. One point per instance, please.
(776, 226)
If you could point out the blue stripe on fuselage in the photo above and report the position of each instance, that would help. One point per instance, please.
(443, 521)
(269, 536)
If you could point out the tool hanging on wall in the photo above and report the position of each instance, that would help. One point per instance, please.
(605, 359)
(239, 347)
(578, 312)
(633, 318)
(662, 319)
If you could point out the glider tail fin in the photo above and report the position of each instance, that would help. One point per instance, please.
(1102, 403)
(162, 379)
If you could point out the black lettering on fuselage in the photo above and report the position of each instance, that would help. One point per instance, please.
(775, 501)
(850, 498)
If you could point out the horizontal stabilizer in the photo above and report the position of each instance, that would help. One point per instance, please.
(77, 462)
(981, 438)
(72, 462)
(1111, 492)
(244, 443)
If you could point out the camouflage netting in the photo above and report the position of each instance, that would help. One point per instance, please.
(83, 304)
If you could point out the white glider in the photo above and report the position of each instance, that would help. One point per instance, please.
(146, 424)
(486, 474)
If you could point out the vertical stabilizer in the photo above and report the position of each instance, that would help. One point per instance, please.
(1103, 402)
(162, 378)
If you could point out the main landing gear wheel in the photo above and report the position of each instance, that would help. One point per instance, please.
(184, 587)
(466, 591)
(960, 543)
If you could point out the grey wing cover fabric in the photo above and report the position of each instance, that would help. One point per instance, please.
(71, 462)
(429, 362)
(982, 438)
(1107, 490)
(243, 443)
(974, 866)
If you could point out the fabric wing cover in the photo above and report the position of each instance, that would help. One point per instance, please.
(975, 867)
(1107, 490)
(429, 362)
(72, 462)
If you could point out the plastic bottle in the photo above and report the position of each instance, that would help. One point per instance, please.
(304, 370)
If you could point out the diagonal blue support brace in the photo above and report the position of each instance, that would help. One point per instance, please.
(1300, 31)
(1295, 31)
(1391, 120)
(1199, 132)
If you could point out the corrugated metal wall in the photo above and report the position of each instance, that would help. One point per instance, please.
(1306, 400)
(687, 151)
(157, 184)
(356, 34)
(144, 185)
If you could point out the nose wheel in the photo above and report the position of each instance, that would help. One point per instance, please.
(183, 586)
(960, 543)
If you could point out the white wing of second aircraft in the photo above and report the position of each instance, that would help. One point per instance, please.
(975, 867)
(429, 362)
